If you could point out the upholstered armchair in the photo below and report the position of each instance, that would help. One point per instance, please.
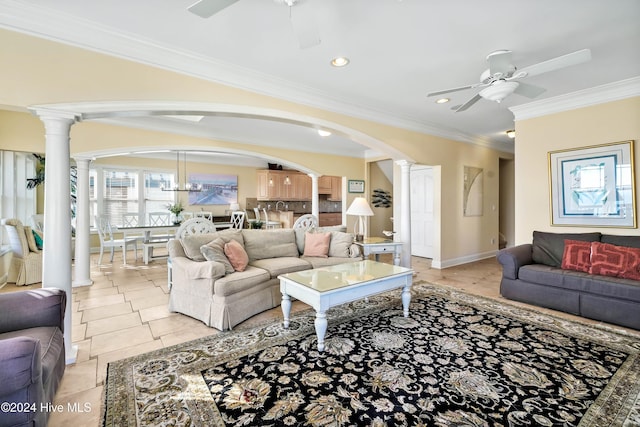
(32, 355)
(26, 263)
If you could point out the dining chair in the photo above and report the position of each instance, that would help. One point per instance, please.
(306, 222)
(158, 239)
(159, 218)
(132, 219)
(268, 223)
(237, 220)
(204, 214)
(186, 215)
(105, 232)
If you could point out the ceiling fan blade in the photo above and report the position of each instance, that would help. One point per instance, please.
(469, 103)
(207, 8)
(530, 91)
(563, 61)
(304, 24)
(442, 92)
(500, 63)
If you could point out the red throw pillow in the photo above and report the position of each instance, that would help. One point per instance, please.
(616, 261)
(316, 244)
(236, 254)
(577, 255)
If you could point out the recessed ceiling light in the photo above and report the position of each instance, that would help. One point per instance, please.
(511, 133)
(322, 132)
(442, 100)
(340, 61)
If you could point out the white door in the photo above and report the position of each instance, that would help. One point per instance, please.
(422, 211)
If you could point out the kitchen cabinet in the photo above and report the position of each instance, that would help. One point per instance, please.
(330, 218)
(331, 186)
(272, 185)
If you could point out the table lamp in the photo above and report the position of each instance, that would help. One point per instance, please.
(360, 208)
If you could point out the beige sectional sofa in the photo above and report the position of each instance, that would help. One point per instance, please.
(207, 290)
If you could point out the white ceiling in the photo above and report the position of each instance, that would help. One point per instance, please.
(399, 50)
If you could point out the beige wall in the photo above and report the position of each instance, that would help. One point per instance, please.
(43, 72)
(599, 124)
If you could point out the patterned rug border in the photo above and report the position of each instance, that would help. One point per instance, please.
(268, 333)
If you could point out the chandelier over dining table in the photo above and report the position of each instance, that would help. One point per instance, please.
(182, 184)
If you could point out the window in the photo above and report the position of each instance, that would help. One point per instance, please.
(16, 201)
(116, 191)
(154, 198)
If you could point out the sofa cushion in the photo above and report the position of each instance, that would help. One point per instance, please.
(300, 233)
(628, 241)
(316, 244)
(214, 251)
(262, 244)
(615, 261)
(340, 244)
(317, 262)
(237, 255)
(577, 255)
(240, 281)
(282, 265)
(192, 244)
(548, 248)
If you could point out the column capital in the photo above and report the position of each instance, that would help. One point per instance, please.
(404, 163)
(51, 114)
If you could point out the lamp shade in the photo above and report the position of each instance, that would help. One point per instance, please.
(360, 207)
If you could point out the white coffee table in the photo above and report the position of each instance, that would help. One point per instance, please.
(326, 287)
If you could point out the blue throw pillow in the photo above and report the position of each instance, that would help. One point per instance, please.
(38, 237)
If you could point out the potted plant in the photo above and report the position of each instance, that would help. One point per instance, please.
(176, 209)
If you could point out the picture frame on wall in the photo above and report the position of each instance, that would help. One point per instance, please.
(355, 186)
(593, 186)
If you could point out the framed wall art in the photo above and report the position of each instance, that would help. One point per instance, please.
(355, 186)
(217, 189)
(593, 186)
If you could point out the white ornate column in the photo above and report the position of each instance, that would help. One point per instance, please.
(315, 200)
(82, 276)
(56, 269)
(405, 212)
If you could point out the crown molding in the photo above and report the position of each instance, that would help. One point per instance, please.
(62, 28)
(584, 98)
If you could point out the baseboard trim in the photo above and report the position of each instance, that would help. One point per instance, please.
(463, 260)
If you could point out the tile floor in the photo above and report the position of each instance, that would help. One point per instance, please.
(124, 313)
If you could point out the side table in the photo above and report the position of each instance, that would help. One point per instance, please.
(380, 245)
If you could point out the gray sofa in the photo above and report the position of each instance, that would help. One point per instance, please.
(32, 357)
(533, 273)
(221, 298)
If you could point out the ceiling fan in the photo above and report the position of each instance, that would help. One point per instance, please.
(300, 14)
(501, 79)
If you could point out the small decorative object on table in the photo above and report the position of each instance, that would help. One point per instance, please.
(176, 209)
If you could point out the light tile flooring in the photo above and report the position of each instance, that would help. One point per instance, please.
(124, 313)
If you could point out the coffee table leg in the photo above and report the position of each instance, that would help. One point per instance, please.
(286, 309)
(321, 328)
(406, 299)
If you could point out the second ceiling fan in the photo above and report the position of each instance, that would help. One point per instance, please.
(300, 14)
(502, 78)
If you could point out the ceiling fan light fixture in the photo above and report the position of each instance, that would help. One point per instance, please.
(499, 90)
(340, 61)
(442, 100)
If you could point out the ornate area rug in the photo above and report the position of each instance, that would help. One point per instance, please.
(458, 360)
